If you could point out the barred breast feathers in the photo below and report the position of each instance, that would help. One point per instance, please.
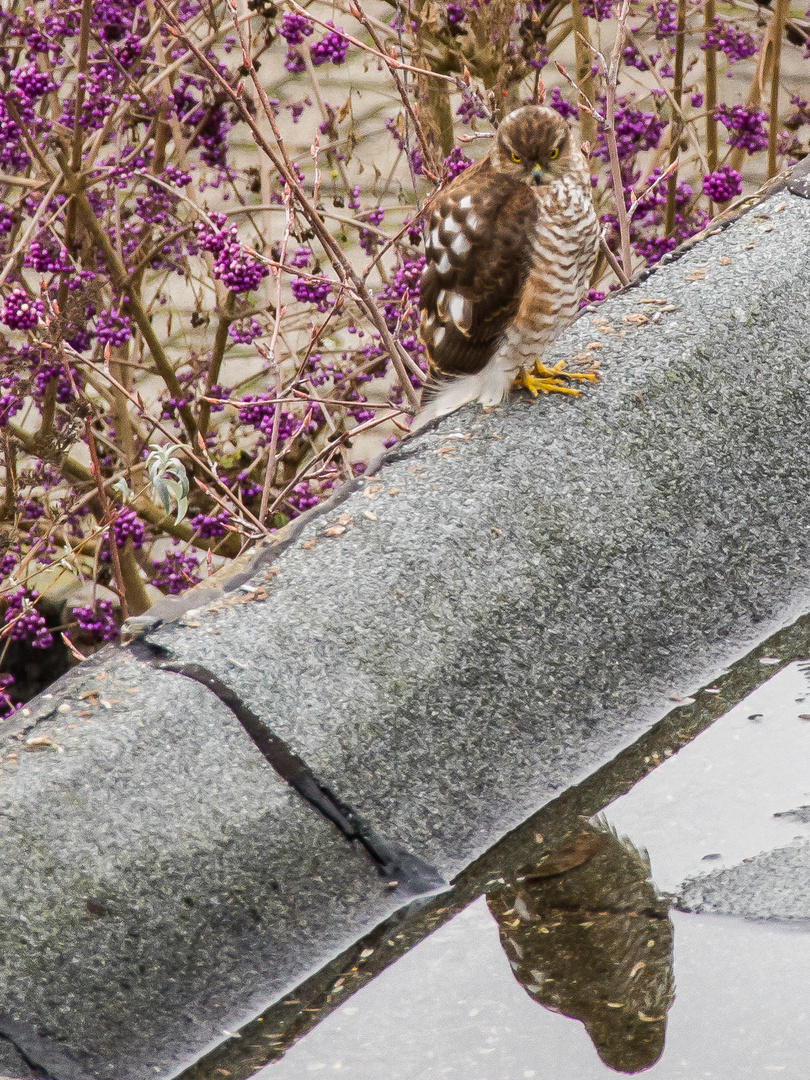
(510, 247)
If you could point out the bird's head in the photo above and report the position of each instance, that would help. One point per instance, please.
(534, 146)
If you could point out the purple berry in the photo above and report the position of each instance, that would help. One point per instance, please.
(722, 185)
(20, 312)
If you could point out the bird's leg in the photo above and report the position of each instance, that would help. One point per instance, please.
(554, 380)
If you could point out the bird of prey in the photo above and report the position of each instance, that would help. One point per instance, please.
(512, 243)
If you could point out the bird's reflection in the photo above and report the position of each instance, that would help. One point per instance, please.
(588, 936)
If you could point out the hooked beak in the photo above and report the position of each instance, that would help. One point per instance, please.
(537, 175)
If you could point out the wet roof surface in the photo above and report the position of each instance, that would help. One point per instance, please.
(598, 944)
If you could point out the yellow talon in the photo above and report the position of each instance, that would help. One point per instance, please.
(559, 371)
(554, 380)
(536, 386)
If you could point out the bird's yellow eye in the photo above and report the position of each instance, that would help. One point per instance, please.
(555, 153)
(516, 158)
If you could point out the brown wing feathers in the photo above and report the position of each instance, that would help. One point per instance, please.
(477, 262)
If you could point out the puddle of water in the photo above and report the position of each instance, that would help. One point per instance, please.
(454, 1006)
(718, 795)
(451, 1009)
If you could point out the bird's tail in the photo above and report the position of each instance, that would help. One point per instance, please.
(443, 396)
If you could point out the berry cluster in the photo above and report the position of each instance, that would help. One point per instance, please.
(294, 62)
(20, 312)
(333, 47)
(246, 487)
(113, 328)
(98, 623)
(128, 526)
(31, 84)
(635, 131)
(302, 498)
(556, 101)
(746, 127)
(723, 184)
(47, 257)
(244, 331)
(307, 291)
(665, 14)
(455, 163)
(7, 704)
(170, 407)
(209, 525)
(176, 571)
(399, 298)
(597, 9)
(294, 28)
(258, 412)
(367, 239)
(237, 269)
(27, 625)
(68, 381)
(300, 258)
(736, 43)
(11, 400)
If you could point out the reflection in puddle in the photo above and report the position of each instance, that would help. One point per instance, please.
(588, 936)
(585, 935)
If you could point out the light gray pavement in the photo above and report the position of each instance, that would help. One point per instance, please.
(773, 885)
(509, 600)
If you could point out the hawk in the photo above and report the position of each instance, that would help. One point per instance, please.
(512, 243)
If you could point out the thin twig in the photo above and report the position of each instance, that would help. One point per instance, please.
(95, 469)
(670, 170)
(587, 125)
(308, 399)
(81, 69)
(284, 166)
(610, 73)
(22, 181)
(367, 48)
(425, 148)
(270, 355)
(356, 223)
(780, 15)
(132, 306)
(215, 365)
(669, 95)
(613, 262)
(676, 124)
(335, 158)
(29, 230)
(710, 64)
(204, 463)
(332, 448)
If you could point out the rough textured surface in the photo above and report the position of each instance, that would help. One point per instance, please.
(532, 585)
(507, 602)
(159, 882)
(775, 885)
(13, 1065)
